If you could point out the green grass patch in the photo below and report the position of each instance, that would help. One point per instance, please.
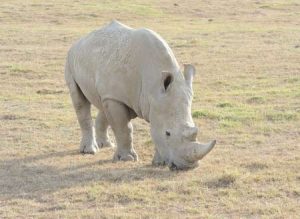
(281, 116)
(292, 80)
(148, 142)
(223, 105)
(205, 114)
(229, 124)
(278, 6)
(19, 69)
(255, 100)
(227, 114)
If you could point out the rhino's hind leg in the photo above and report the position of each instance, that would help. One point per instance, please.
(101, 130)
(118, 116)
(83, 111)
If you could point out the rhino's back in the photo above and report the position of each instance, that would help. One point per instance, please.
(98, 61)
(115, 61)
(108, 44)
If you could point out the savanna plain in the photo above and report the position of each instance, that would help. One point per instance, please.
(246, 96)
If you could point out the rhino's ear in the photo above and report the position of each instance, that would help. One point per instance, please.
(167, 79)
(189, 73)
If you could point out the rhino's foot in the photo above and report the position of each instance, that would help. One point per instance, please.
(88, 146)
(158, 160)
(105, 143)
(125, 156)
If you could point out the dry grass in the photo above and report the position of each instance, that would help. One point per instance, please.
(247, 96)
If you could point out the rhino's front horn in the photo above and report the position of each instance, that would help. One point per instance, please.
(197, 151)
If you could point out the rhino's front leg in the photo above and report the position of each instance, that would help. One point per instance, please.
(118, 117)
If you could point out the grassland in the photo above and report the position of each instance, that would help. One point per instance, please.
(247, 96)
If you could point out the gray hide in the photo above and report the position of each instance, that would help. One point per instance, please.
(125, 73)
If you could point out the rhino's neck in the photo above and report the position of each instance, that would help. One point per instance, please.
(154, 56)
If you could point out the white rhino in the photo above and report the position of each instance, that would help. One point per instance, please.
(127, 73)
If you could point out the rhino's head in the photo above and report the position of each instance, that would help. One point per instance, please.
(172, 127)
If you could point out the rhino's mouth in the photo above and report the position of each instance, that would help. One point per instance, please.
(173, 166)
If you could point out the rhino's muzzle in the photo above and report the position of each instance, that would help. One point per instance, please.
(190, 155)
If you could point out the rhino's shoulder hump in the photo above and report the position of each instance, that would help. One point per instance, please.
(151, 37)
(114, 29)
(155, 45)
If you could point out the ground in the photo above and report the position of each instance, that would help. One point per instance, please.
(247, 96)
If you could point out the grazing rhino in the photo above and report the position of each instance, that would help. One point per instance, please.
(127, 73)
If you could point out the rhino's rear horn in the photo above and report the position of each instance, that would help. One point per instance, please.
(190, 133)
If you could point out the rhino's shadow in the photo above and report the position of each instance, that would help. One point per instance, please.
(31, 178)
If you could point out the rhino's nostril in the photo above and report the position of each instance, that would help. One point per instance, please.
(168, 133)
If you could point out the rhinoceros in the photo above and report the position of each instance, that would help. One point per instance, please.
(127, 73)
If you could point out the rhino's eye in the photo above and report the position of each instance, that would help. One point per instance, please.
(167, 81)
(168, 133)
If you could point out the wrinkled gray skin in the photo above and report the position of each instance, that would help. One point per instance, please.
(126, 73)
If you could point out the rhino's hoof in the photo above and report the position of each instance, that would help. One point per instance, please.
(105, 144)
(89, 148)
(130, 156)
